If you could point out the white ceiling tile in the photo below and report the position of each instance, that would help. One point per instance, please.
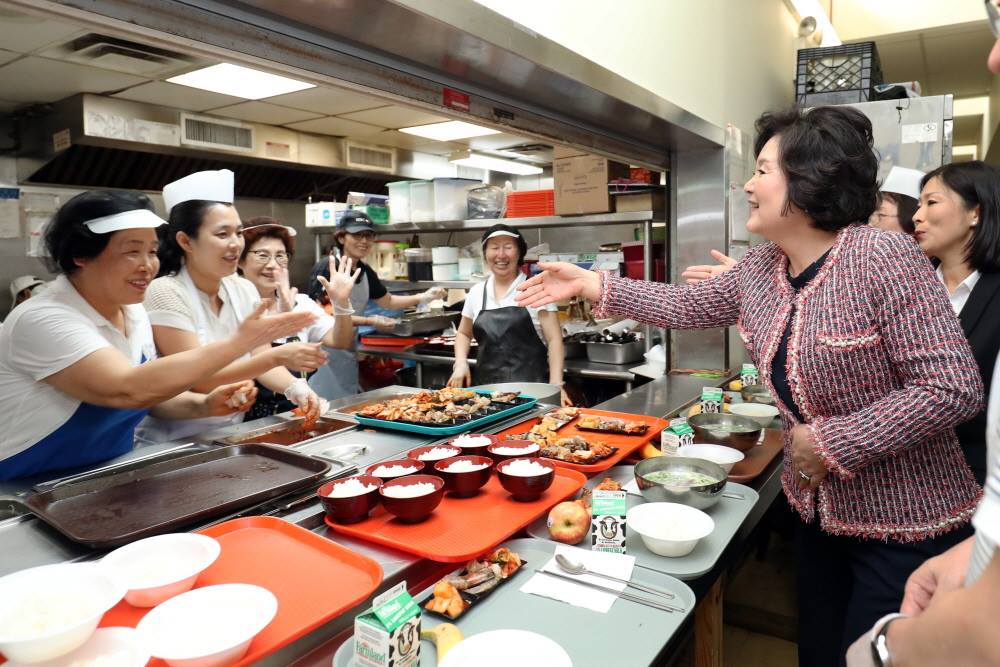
(260, 112)
(394, 117)
(24, 34)
(337, 127)
(7, 56)
(402, 140)
(179, 97)
(326, 101)
(496, 142)
(43, 80)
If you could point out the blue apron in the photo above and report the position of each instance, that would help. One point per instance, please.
(93, 434)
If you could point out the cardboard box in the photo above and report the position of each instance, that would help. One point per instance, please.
(566, 151)
(652, 200)
(581, 183)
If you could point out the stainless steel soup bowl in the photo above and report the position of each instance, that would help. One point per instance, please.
(699, 497)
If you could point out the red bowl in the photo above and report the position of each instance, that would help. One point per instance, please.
(352, 508)
(417, 508)
(414, 466)
(428, 465)
(527, 447)
(526, 489)
(465, 484)
(478, 450)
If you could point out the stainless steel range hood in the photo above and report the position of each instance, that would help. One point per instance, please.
(96, 141)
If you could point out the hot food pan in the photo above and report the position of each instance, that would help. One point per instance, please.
(117, 509)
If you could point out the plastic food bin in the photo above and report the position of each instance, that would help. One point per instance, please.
(399, 201)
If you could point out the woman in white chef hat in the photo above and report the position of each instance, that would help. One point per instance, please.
(898, 201)
(199, 299)
(78, 367)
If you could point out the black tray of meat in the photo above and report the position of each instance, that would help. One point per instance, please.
(456, 593)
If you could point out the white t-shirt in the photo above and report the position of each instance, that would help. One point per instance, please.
(169, 304)
(987, 518)
(474, 301)
(44, 335)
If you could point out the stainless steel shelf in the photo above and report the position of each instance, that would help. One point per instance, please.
(399, 285)
(630, 218)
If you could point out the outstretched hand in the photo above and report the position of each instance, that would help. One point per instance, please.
(556, 282)
(699, 272)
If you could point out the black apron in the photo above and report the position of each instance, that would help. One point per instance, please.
(270, 402)
(509, 347)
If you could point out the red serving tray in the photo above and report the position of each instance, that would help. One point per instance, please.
(391, 341)
(313, 578)
(461, 529)
(758, 457)
(626, 444)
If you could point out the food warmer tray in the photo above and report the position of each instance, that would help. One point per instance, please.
(615, 353)
(524, 403)
(289, 432)
(117, 509)
(629, 632)
(419, 323)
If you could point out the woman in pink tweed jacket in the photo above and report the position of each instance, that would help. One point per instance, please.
(873, 369)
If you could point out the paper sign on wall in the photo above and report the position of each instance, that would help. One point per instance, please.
(10, 213)
(919, 133)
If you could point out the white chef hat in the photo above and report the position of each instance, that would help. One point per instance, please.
(21, 283)
(205, 185)
(903, 181)
(140, 218)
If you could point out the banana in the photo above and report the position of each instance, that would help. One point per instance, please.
(651, 450)
(444, 636)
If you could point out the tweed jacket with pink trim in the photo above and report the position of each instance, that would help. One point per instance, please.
(878, 365)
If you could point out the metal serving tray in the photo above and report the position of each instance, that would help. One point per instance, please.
(120, 508)
(419, 323)
(289, 433)
(615, 353)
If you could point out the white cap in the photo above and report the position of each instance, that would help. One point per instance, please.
(21, 283)
(271, 225)
(206, 185)
(500, 232)
(903, 181)
(140, 218)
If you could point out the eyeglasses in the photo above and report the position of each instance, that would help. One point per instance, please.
(363, 236)
(263, 257)
(993, 14)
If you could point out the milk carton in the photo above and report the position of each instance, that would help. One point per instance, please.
(749, 375)
(608, 523)
(676, 434)
(711, 400)
(388, 634)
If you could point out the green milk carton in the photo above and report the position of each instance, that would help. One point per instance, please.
(388, 634)
(608, 521)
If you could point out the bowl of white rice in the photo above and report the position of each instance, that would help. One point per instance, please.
(349, 500)
(431, 454)
(512, 449)
(464, 475)
(394, 468)
(412, 498)
(473, 443)
(526, 478)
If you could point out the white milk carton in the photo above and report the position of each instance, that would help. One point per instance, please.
(388, 634)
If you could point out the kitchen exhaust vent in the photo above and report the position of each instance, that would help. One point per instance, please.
(120, 55)
(207, 132)
(371, 158)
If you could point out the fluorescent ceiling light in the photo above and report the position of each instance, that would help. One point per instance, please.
(449, 130)
(970, 106)
(238, 81)
(470, 159)
(969, 149)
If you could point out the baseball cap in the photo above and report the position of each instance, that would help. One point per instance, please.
(353, 222)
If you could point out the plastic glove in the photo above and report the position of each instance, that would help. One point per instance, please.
(461, 376)
(383, 323)
(230, 398)
(299, 393)
(432, 294)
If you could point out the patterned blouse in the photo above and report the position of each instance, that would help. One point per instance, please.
(878, 366)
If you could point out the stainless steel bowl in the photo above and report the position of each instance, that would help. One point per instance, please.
(757, 393)
(699, 497)
(714, 428)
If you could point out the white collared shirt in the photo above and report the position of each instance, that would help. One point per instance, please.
(47, 334)
(474, 301)
(962, 292)
(987, 518)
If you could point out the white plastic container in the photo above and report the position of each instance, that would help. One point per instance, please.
(399, 201)
(421, 201)
(445, 271)
(451, 198)
(444, 255)
(467, 266)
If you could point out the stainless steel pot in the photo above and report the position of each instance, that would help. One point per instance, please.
(698, 497)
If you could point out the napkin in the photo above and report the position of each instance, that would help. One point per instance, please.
(615, 565)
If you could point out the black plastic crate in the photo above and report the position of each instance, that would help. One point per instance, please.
(837, 74)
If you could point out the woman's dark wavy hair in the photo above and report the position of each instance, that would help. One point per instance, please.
(184, 217)
(67, 238)
(978, 184)
(827, 157)
(906, 208)
(265, 227)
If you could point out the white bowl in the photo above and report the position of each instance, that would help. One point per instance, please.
(760, 413)
(118, 646)
(48, 611)
(158, 568)
(726, 457)
(669, 529)
(208, 627)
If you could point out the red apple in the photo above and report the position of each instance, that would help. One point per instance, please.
(569, 522)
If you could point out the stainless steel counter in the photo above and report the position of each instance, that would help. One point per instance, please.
(661, 397)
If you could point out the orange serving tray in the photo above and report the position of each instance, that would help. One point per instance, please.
(626, 444)
(461, 529)
(313, 578)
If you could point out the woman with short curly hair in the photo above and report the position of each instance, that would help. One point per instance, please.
(853, 334)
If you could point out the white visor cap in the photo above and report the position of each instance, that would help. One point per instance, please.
(903, 181)
(140, 218)
(500, 232)
(201, 185)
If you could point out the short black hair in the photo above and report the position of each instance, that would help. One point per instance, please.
(67, 238)
(186, 217)
(522, 245)
(978, 184)
(906, 208)
(827, 157)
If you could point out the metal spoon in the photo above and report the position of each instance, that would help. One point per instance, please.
(568, 566)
